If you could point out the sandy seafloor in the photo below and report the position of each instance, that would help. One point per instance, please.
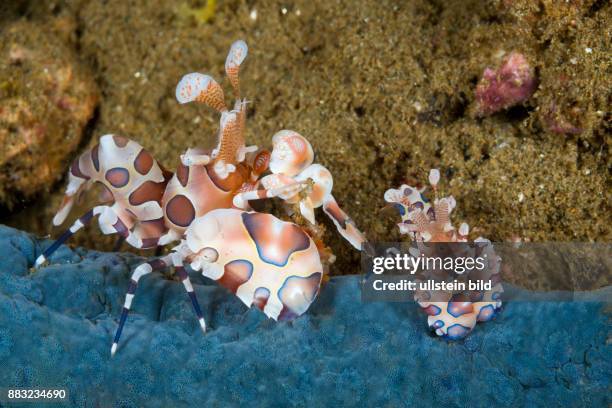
(384, 90)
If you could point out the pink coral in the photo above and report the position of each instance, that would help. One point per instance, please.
(512, 83)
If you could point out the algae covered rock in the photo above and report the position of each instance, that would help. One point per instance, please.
(572, 43)
(56, 328)
(512, 83)
(46, 100)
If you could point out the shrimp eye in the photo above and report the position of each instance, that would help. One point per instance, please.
(210, 254)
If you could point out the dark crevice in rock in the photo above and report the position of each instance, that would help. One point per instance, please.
(359, 111)
(438, 152)
(449, 173)
(89, 129)
(517, 113)
(596, 7)
(484, 152)
(444, 109)
(466, 153)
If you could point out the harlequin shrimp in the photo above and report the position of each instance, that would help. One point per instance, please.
(451, 315)
(269, 263)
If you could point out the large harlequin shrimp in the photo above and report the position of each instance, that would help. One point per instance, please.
(267, 263)
(297, 180)
(152, 207)
(455, 316)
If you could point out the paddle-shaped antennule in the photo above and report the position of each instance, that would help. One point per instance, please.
(201, 88)
(235, 57)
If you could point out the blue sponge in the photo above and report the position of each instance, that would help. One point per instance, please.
(57, 324)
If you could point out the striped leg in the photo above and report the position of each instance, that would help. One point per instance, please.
(78, 224)
(140, 271)
(113, 224)
(118, 243)
(345, 225)
(134, 236)
(134, 239)
(182, 273)
(290, 190)
(169, 237)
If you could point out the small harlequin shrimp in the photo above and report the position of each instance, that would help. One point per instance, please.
(424, 221)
